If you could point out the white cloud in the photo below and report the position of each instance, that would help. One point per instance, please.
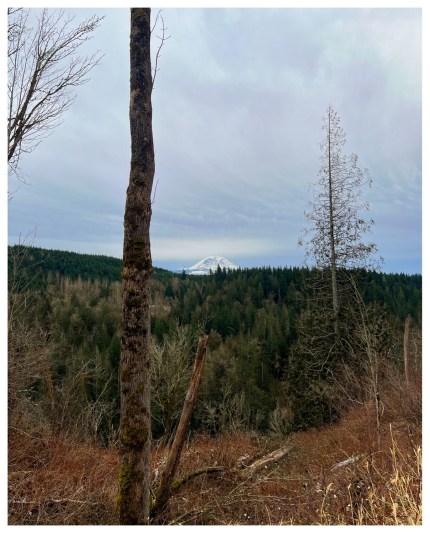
(190, 249)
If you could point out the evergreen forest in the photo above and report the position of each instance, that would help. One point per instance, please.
(248, 396)
(267, 366)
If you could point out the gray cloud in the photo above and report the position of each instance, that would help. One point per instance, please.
(238, 104)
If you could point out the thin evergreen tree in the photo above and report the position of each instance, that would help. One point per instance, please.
(334, 239)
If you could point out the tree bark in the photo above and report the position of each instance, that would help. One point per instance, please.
(406, 350)
(135, 426)
(164, 489)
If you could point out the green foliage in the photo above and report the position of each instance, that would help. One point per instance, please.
(40, 267)
(269, 364)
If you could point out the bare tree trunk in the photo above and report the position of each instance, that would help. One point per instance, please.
(135, 427)
(406, 350)
(163, 492)
(335, 297)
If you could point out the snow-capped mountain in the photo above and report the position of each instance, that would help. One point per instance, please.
(211, 263)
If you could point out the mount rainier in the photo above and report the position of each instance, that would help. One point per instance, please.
(211, 263)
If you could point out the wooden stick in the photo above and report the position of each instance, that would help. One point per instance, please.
(168, 473)
(205, 470)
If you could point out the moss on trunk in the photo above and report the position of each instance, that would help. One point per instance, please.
(135, 427)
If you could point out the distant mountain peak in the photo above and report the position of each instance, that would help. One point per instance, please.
(210, 264)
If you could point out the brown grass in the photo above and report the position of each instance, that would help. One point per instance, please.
(53, 481)
(380, 488)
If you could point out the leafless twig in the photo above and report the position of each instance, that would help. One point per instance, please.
(163, 38)
(43, 68)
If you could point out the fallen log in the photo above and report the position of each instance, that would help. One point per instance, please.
(350, 461)
(51, 503)
(265, 461)
(244, 472)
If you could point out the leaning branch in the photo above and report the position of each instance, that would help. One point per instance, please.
(205, 470)
(164, 489)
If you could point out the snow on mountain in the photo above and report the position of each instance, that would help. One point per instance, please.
(211, 263)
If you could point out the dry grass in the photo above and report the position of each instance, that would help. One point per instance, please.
(379, 488)
(52, 481)
(383, 487)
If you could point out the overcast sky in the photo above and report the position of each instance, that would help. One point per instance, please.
(237, 113)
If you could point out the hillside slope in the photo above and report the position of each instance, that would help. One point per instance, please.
(74, 484)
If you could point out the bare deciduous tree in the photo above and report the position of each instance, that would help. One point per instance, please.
(43, 69)
(373, 341)
(171, 369)
(406, 350)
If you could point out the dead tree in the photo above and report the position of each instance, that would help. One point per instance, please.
(135, 426)
(334, 239)
(173, 457)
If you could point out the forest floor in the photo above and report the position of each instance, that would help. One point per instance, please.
(57, 481)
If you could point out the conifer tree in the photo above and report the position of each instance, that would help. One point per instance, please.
(334, 239)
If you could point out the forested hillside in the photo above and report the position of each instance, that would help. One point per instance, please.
(272, 371)
(254, 318)
(38, 266)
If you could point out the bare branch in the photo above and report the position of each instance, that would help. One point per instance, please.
(154, 193)
(163, 38)
(156, 21)
(43, 68)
